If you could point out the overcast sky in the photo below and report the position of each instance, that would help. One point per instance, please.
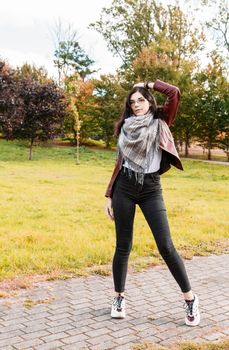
(26, 31)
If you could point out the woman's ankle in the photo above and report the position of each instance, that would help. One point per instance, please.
(189, 295)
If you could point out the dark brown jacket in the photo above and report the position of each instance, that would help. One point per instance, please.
(169, 152)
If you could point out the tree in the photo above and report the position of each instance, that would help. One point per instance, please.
(74, 66)
(219, 22)
(159, 61)
(72, 92)
(70, 58)
(11, 102)
(108, 99)
(184, 129)
(29, 108)
(126, 26)
(86, 106)
(31, 71)
(129, 26)
(44, 107)
(213, 104)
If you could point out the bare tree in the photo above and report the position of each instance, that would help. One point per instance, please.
(70, 58)
(219, 22)
(62, 34)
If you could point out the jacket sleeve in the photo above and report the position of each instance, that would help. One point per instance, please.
(170, 106)
(109, 190)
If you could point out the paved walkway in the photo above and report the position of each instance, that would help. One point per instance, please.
(75, 313)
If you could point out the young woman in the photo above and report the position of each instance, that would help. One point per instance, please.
(145, 150)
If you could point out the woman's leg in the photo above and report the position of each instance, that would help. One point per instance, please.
(153, 208)
(154, 211)
(124, 211)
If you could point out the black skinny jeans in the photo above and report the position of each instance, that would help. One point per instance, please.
(127, 193)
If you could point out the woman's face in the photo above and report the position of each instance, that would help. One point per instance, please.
(139, 104)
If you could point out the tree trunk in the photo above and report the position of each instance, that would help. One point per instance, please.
(186, 143)
(107, 142)
(59, 76)
(177, 144)
(226, 150)
(30, 149)
(74, 136)
(78, 147)
(209, 151)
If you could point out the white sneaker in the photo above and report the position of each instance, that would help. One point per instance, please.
(118, 307)
(192, 310)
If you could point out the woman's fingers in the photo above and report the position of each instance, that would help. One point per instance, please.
(109, 209)
(139, 85)
(111, 215)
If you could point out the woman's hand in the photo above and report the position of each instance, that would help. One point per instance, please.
(142, 84)
(139, 85)
(109, 209)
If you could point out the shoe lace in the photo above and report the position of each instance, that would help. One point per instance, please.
(118, 302)
(189, 307)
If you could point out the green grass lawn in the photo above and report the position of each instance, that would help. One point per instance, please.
(52, 218)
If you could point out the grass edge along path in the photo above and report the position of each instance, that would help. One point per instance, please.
(188, 345)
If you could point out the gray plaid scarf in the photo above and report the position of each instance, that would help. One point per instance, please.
(138, 140)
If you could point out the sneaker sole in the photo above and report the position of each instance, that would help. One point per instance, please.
(192, 324)
(116, 314)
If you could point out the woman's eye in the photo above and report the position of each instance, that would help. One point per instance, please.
(141, 100)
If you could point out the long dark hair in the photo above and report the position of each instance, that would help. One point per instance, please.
(128, 110)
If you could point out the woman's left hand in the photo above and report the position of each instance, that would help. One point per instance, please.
(139, 85)
(149, 85)
(109, 209)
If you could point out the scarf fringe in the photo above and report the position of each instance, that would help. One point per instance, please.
(139, 176)
(138, 173)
